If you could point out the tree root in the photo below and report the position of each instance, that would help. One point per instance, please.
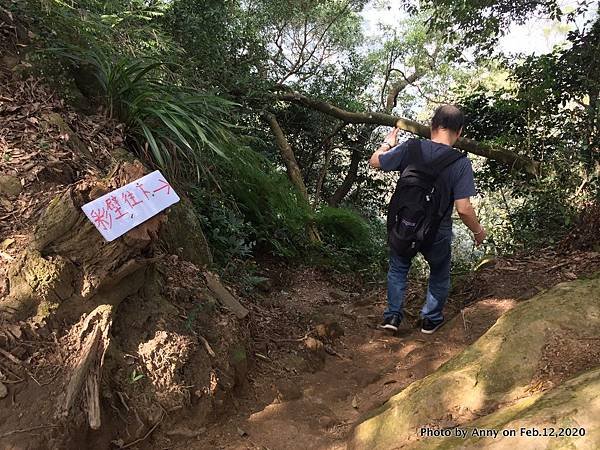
(85, 380)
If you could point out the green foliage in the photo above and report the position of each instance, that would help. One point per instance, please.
(548, 112)
(253, 206)
(352, 243)
(125, 27)
(479, 24)
(171, 125)
(343, 227)
(229, 234)
(135, 376)
(267, 200)
(184, 76)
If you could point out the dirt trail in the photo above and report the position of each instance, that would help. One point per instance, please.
(311, 399)
(293, 405)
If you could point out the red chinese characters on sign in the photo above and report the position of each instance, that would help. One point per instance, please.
(129, 198)
(102, 219)
(121, 210)
(112, 204)
(144, 191)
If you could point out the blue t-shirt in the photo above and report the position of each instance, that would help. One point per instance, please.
(458, 176)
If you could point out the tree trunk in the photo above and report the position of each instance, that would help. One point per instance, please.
(293, 170)
(504, 156)
(322, 175)
(287, 154)
(341, 192)
(327, 146)
(396, 88)
(357, 155)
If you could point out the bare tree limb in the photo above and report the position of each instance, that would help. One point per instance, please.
(503, 156)
(293, 170)
(399, 86)
(287, 154)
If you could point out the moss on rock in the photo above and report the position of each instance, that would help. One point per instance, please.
(537, 422)
(497, 369)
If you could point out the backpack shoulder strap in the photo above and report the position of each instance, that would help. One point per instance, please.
(445, 160)
(414, 155)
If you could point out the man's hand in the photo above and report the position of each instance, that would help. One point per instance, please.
(392, 137)
(467, 215)
(390, 141)
(480, 237)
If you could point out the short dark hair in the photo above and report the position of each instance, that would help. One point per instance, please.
(449, 117)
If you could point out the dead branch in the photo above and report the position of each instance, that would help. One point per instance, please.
(207, 346)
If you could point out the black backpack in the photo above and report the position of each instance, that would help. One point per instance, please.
(420, 201)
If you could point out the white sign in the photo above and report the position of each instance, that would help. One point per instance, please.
(117, 212)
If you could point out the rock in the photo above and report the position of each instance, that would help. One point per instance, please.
(3, 390)
(10, 186)
(264, 284)
(327, 422)
(329, 330)
(182, 234)
(500, 368)
(314, 345)
(567, 406)
(315, 359)
(288, 391)
(7, 243)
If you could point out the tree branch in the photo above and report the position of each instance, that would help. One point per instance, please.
(399, 86)
(506, 157)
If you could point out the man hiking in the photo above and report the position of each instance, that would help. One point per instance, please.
(433, 177)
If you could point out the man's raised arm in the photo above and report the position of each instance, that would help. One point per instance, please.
(388, 143)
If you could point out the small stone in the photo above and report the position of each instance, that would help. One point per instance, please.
(330, 330)
(264, 284)
(3, 390)
(314, 345)
(10, 186)
(327, 422)
(7, 243)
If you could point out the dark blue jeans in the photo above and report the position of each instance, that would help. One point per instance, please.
(438, 258)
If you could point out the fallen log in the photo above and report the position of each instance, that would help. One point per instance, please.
(503, 156)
